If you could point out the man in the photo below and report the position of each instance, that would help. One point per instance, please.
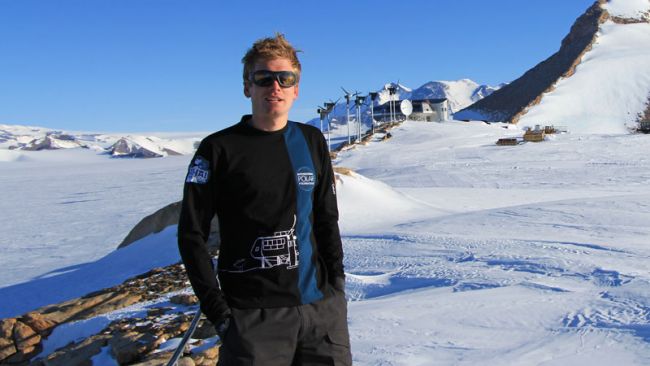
(271, 184)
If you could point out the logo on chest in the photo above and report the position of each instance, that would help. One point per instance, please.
(306, 179)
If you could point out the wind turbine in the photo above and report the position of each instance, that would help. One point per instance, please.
(373, 96)
(324, 112)
(359, 102)
(347, 97)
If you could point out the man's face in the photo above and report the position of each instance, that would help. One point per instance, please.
(272, 101)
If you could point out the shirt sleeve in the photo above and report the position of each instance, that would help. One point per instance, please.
(326, 216)
(197, 210)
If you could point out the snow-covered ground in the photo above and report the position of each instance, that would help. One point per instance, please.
(65, 207)
(610, 88)
(458, 251)
(534, 254)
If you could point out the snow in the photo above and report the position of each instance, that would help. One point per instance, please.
(609, 89)
(13, 136)
(156, 250)
(10, 155)
(631, 9)
(457, 251)
(459, 93)
(159, 146)
(66, 207)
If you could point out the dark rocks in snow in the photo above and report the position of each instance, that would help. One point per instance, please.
(124, 148)
(21, 338)
(184, 299)
(130, 341)
(53, 141)
(18, 341)
(645, 116)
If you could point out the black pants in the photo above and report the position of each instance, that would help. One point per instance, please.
(312, 334)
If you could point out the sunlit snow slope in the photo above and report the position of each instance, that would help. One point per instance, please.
(611, 86)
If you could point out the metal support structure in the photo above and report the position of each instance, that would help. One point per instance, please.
(329, 141)
(329, 106)
(392, 90)
(347, 114)
(358, 102)
(373, 96)
(181, 346)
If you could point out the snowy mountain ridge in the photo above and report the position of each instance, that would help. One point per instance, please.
(597, 82)
(30, 138)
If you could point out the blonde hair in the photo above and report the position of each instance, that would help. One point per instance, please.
(270, 48)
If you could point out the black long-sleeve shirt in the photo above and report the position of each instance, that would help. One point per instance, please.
(275, 198)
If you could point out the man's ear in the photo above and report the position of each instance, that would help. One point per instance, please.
(247, 91)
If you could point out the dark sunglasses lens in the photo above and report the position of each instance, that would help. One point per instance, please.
(263, 78)
(287, 79)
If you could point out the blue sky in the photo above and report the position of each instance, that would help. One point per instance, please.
(175, 65)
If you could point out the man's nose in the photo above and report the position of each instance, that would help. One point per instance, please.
(276, 84)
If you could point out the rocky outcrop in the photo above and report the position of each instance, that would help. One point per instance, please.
(162, 219)
(513, 100)
(53, 141)
(132, 341)
(125, 148)
(645, 116)
(20, 338)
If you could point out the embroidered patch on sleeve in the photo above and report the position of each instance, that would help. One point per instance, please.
(199, 171)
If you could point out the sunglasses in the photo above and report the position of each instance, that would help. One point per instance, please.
(265, 78)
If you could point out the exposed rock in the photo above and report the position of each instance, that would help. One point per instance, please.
(154, 223)
(21, 357)
(6, 349)
(620, 20)
(132, 340)
(130, 346)
(24, 336)
(53, 141)
(184, 299)
(186, 361)
(511, 101)
(163, 218)
(78, 353)
(211, 353)
(39, 323)
(343, 170)
(645, 116)
(156, 359)
(7, 346)
(90, 305)
(129, 149)
(7, 327)
(158, 311)
(21, 341)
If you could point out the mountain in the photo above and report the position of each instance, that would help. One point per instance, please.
(597, 82)
(459, 93)
(28, 138)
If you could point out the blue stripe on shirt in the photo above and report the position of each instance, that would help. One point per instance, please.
(305, 176)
